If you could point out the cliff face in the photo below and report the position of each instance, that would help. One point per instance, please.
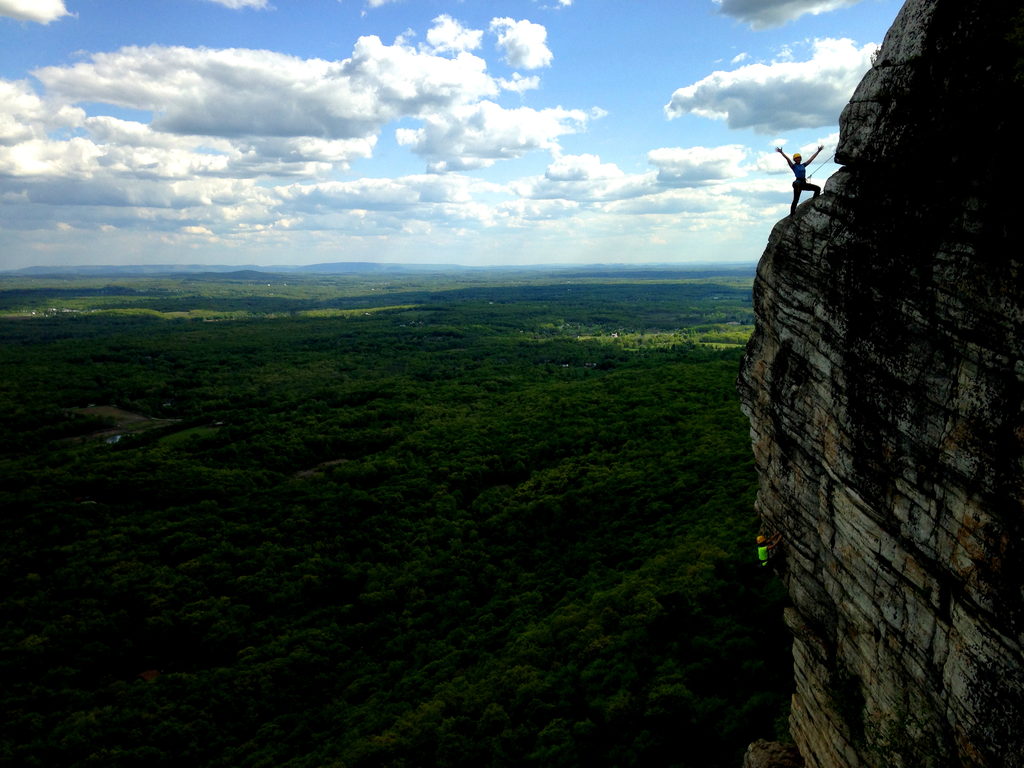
(885, 390)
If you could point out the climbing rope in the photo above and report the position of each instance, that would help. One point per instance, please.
(811, 174)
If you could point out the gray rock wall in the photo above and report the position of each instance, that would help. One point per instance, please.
(885, 390)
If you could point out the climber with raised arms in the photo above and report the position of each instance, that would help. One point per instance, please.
(799, 169)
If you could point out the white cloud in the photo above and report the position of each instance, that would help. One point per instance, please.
(476, 135)
(182, 198)
(678, 171)
(782, 95)
(584, 179)
(217, 129)
(419, 204)
(669, 203)
(23, 115)
(101, 146)
(519, 84)
(236, 4)
(524, 43)
(695, 166)
(70, 159)
(760, 14)
(251, 149)
(448, 35)
(523, 210)
(42, 11)
(241, 92)
(400, 193)
(581, 168)
(558, 4)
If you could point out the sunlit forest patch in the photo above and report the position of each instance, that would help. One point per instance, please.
(113, 422)
(501, 521)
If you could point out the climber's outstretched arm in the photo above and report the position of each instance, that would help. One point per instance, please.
(784, 155)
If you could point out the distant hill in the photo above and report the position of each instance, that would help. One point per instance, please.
(334, 268)
(352, 267)
(106, 270)
(255, 272)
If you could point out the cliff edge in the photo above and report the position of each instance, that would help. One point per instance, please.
(885, 390)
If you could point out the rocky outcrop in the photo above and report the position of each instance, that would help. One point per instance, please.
(771, 754)
(885, 390)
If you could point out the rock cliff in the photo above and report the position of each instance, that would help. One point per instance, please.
(885, 390)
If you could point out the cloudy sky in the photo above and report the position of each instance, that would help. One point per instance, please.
(277, 132)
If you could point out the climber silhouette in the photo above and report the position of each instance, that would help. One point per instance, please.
(799, 169)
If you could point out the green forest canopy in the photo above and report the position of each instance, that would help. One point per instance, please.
(381, 521)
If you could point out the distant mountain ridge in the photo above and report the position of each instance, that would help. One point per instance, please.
(253, 271)
(344, 267)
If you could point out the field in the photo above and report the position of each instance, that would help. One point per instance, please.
(485, 519)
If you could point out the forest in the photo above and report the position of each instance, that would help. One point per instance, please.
(500, 518)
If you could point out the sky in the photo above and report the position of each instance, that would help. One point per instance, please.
(476, 132)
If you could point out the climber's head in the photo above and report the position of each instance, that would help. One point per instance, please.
(760, 539)
(797, 156)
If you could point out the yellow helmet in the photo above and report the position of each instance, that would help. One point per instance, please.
(760, 539)
(797, 156)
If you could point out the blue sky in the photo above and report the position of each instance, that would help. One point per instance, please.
(480, 132)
